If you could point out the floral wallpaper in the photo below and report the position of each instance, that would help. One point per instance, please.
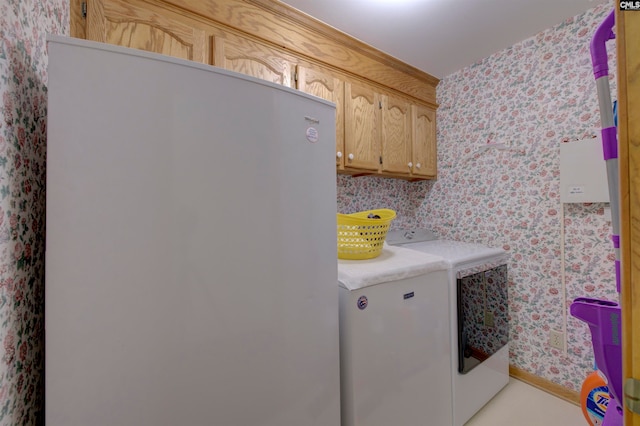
(530, 97)
(23, 110)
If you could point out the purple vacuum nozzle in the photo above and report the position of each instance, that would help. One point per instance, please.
(598, 46)
(603, 318)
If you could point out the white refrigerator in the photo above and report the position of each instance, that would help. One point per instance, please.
(191, 245)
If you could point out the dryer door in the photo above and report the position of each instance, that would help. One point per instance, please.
(483, 326)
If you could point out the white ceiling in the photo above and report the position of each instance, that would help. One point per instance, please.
(442, 36)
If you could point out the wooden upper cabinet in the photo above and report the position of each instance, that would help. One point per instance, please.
(385, 128)
(139, 25)
(424, 148)
(252, 58)
(325, 85)
(396, 134)
(362, 126)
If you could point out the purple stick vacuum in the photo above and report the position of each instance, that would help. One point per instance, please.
(603, 316)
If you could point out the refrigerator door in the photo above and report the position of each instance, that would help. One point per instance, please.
(191, 245)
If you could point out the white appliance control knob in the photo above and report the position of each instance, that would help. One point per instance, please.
(417, 165)
(351, 157)
(410, 164)
(339, 154)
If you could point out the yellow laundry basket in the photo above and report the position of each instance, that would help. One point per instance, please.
(361, 235)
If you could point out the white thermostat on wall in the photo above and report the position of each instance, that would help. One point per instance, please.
(583, 172)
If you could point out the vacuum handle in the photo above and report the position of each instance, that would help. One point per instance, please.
(599, 48)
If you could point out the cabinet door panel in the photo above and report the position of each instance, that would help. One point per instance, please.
(396, 134)
(254, 59)
(124, 23)
(383, 131)
(425, 154)
(322, 84)
(362, 127)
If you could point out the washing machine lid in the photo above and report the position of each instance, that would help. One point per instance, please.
(393, 264)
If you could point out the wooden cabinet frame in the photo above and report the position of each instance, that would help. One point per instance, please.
(269, 40)
(628, 56)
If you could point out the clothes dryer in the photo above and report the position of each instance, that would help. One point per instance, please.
(479, 317)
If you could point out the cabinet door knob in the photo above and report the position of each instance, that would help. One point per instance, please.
(417, 165)
(339, 154)
(351, 157)
(410, 164)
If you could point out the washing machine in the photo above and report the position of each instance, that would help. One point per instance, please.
(395, 349)
(479, 316)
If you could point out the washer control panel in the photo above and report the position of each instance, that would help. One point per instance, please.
(405, 236)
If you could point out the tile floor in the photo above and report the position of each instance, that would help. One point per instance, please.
(523, 405)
